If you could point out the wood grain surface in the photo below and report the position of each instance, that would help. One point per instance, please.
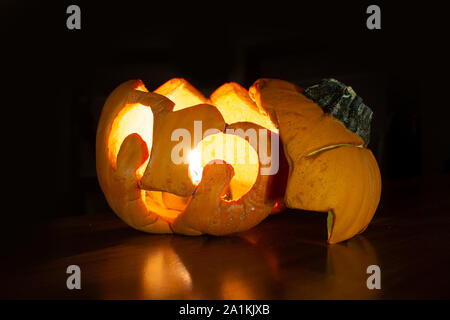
(285, 257)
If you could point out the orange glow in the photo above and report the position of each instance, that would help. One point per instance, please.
(195, 166)
(133, 118)
(235, 105)
(182, 93)
(235, 151)
(234, 287)
(141, 87)
(164, 275)
(166, 205)
(137, 118)
(174, 202)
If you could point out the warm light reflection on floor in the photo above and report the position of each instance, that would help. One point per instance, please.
(164, 275)
(235, 288)
(247, 266)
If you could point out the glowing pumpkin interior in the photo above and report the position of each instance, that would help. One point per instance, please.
(234, 104)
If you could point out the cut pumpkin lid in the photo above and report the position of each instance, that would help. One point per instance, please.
(235, 104)
(342, 102)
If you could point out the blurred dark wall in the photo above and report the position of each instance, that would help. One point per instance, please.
(63, 77)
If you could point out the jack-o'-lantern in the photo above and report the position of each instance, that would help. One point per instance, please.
(138, 138)
(173, 161)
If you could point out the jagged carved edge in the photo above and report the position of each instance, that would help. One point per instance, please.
(343, 104)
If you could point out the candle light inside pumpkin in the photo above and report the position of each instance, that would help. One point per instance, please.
(195, 166)
(163, 195)
(230, 149)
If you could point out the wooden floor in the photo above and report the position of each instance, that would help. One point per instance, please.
(285, 257)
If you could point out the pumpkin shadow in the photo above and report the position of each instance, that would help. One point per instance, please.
(347, 270)
(305, 267)
(336, 271)
(344, 277)
(226, 268)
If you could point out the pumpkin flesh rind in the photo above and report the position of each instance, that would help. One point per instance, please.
(117, 176)
(235, 104)
(162, 173)
(182, 93)
(329, 170)
(122, 184)
(326, 160)
(209, 213)
(326, 183)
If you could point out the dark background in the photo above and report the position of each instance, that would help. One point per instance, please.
(58, 79)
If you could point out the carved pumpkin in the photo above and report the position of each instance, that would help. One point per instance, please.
(147, 190)
(330, 170)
